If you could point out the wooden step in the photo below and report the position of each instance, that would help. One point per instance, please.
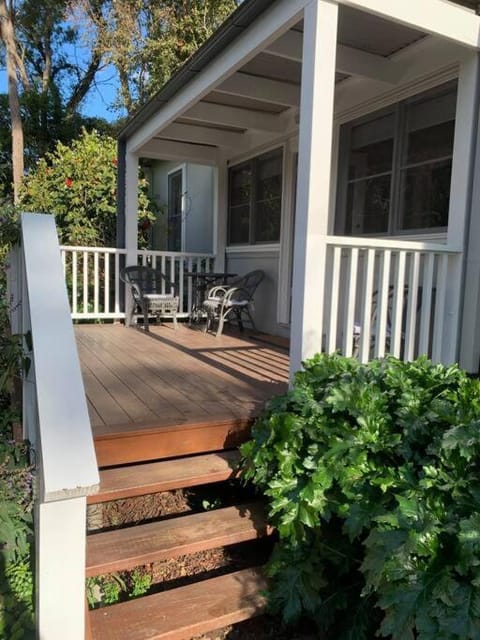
(182, 613)
(124, 444)
(166, 475)
(141, 544)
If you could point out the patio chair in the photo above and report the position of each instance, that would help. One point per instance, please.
(357, 330)
(233, 300)
(152, 291)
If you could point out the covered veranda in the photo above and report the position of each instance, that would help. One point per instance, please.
(293, 73)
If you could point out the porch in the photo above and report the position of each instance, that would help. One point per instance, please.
(148, 388)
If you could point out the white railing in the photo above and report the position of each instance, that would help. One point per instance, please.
(93, 281)
(56, 421)
(388, 296)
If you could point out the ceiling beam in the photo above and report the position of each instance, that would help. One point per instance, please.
(443, 19)
(203, 135)
(289, 46)
(235, 117)
(181, 151)
(351, 61)
(264, 89)
(355, 62)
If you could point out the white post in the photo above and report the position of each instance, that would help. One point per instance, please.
(131, 217)
(313, 185)
(470, 324)
(220, 191)
(60, 553)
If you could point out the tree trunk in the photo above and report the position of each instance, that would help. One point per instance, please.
(8, 37)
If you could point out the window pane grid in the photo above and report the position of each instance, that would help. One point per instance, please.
(396, 166)
(255, 200)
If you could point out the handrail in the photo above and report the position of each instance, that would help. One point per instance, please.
(389, 243)
(62, 432)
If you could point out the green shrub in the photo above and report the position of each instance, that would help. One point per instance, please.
(372, 473)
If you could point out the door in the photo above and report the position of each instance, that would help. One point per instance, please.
(175, 210)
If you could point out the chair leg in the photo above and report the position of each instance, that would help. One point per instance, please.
(145, 316)
(220, 325)
(130, 314)
(174, 316)
(250, 317)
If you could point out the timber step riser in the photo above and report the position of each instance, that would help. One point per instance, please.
(166, 475)
(202, 606)
(125, 549)
(125, 446)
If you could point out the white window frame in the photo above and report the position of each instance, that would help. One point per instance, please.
(257, 246)
(183, 168)
(397, 109)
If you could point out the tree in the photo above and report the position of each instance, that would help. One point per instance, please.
(15, 66)
(47, 78)
(147, 41)
(77, 183)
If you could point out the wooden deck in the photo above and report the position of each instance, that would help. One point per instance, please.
(173, 377)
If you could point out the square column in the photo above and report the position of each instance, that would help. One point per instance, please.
(313, 183)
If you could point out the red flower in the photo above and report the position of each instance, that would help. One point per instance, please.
(68, 182)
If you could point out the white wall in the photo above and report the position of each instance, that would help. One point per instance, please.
(198, 202)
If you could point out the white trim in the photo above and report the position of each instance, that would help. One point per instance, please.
(183, 168)
(252, 248)
(388, 243)
(286, 238)
(64, 438)
(314, 176)
(440, 18)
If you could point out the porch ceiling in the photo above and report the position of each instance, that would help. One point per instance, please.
(261, 99)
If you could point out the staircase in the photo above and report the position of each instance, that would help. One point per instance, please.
(183, 612)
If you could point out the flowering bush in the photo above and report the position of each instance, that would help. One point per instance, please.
(78, 184)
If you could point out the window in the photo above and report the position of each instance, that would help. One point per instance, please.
(255, 200)
(396, 165)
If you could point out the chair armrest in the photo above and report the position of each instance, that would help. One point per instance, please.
(217, 292)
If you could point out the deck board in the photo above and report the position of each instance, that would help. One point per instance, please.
(176, 377)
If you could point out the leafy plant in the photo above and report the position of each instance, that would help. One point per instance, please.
(110, 588)
(16, 471)
(78, 184)
(372, 476)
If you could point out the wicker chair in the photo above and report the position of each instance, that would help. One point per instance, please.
(152, 291)
(232, 300)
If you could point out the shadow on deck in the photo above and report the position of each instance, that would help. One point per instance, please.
(140, 383)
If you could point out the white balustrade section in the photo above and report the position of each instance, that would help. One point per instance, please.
(389, 296)
(92, 275)
(57, 423)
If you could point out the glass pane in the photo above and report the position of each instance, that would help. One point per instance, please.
(267, 220)
(425, 196)
(240, 185)
(239, 225)
(269, 177)
(427, 144)
(371, 147)
(368, 205)
(174, 231)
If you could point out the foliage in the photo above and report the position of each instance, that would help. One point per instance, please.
(110, 588)
(16, 471)
(147, 41)
(78, 183)
(372, 477)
